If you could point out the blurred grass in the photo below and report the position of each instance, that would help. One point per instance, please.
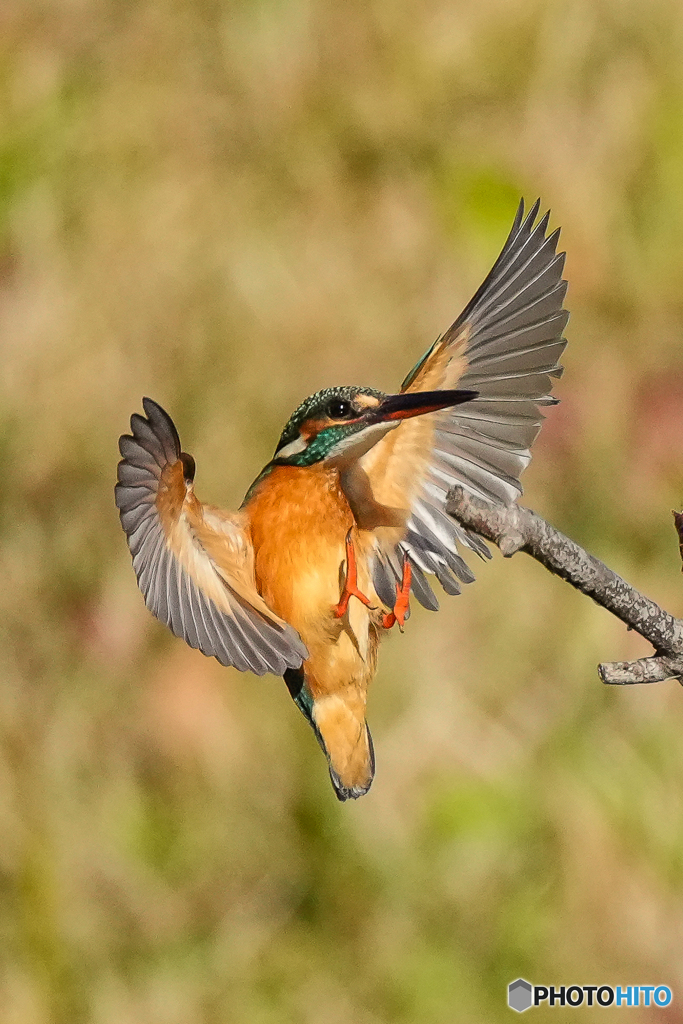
(228, 206)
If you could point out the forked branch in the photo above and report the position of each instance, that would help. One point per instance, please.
(515, 528)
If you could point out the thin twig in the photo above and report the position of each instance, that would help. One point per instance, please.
(678, 523)
(515, 528)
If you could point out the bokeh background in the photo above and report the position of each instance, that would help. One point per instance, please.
(226, 206)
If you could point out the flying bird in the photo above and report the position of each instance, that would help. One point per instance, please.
(348, 519)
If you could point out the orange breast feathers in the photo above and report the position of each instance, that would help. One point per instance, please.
(299, 519)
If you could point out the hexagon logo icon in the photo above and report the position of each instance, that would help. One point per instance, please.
(519, 995)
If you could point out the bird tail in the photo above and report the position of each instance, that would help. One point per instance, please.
(342, 733)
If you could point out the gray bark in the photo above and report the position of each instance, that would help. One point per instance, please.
(515, 528)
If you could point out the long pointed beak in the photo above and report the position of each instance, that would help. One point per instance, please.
(416, 403)
(376, 422)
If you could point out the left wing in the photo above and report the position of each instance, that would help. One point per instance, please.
(505, 345)
(195, 563)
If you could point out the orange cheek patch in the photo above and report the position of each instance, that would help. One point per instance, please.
(311, 428)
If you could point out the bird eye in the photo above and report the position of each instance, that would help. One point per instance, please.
(338, 409)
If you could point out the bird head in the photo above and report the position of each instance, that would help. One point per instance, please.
(343, 423)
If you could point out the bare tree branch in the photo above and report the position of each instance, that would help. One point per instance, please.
(515, 528)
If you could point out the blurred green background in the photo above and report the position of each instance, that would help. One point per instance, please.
(227, 206)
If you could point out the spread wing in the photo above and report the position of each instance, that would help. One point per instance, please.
(193, 562)
(506, 345)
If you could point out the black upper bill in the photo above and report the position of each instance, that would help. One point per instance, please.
(416, 403)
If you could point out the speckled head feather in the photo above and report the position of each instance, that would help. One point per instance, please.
(316, 407)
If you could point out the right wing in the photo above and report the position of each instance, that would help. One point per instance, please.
(506, 346)
(194, 563)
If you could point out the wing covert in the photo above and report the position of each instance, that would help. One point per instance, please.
(194, 563)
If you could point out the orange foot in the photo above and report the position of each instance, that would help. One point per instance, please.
(351, 582)
(402, 599)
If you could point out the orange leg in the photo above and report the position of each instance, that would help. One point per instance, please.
(351, 582)
(402, 599)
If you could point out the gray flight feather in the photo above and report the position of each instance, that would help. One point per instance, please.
(246, 639)
(515, 323)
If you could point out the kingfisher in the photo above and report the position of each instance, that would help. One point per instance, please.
(348, 519)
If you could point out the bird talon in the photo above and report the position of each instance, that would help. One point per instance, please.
(340, 609)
